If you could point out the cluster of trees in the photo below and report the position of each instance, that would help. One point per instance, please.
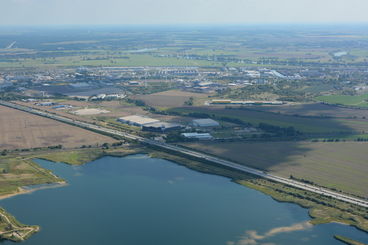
(361, 139)
(279, 131)
(189, 102)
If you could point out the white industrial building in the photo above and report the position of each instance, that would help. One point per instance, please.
(137, 120)
(207, 122)
(200, 136)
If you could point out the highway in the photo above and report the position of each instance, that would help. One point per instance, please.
(174, 148)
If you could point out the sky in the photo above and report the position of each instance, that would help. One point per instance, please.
(172, 12)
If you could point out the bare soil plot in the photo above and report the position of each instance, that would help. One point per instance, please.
(23, 130)
(340, 165)
(170, 98)
(90, 111)
(115, 110)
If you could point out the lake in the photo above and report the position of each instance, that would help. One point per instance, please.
(138, 200)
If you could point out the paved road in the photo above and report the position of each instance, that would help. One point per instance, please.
(294, 183)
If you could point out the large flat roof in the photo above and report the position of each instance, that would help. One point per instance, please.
(206, 122)
(140, 120)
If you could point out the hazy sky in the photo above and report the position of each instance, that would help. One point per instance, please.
(28, 12)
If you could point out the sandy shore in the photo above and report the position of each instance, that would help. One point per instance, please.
(22, 190)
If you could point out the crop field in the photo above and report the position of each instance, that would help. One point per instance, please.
(19, 130)
(126, 60)
(303, 124)
(171, 98)
(347, 100)
(340, 165)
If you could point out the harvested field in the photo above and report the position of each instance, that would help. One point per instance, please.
(340, 165)
(171, 98)
(19, 130)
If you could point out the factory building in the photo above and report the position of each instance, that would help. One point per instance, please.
(137, 120)
(199, 136)
(204, 123)
(161, 127)
(150, 124)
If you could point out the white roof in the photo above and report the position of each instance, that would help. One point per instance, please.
(138, 119)
(189, 135)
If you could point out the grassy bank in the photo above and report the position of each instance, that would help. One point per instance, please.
(348, 240)
(79, 157)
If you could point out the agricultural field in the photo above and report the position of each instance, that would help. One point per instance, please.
(20, 130)
(339, 165)
(314, 110)
(103, 60)
(171, 98)
(203, 48)
(303, 124)
(346, 100)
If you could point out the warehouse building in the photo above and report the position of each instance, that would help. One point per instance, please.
(137, 120)
(199, 136)
(161, 127)
(203, 123)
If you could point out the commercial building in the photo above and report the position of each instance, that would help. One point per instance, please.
(161, 127)
(199, 136)
(206, 122)
(137, 120)
(46, 104)
(149, 124)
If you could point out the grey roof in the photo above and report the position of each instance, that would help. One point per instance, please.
(207, 122)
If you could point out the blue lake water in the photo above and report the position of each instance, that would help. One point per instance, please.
(137, 200)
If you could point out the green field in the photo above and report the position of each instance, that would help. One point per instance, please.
(347, 100)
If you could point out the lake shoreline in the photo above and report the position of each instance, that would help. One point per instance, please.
(24, 190)
(234, 176)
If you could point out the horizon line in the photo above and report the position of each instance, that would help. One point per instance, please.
(194, 24)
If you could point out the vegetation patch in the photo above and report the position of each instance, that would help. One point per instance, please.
(346, 100)
(12, 230)
(348, 240)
